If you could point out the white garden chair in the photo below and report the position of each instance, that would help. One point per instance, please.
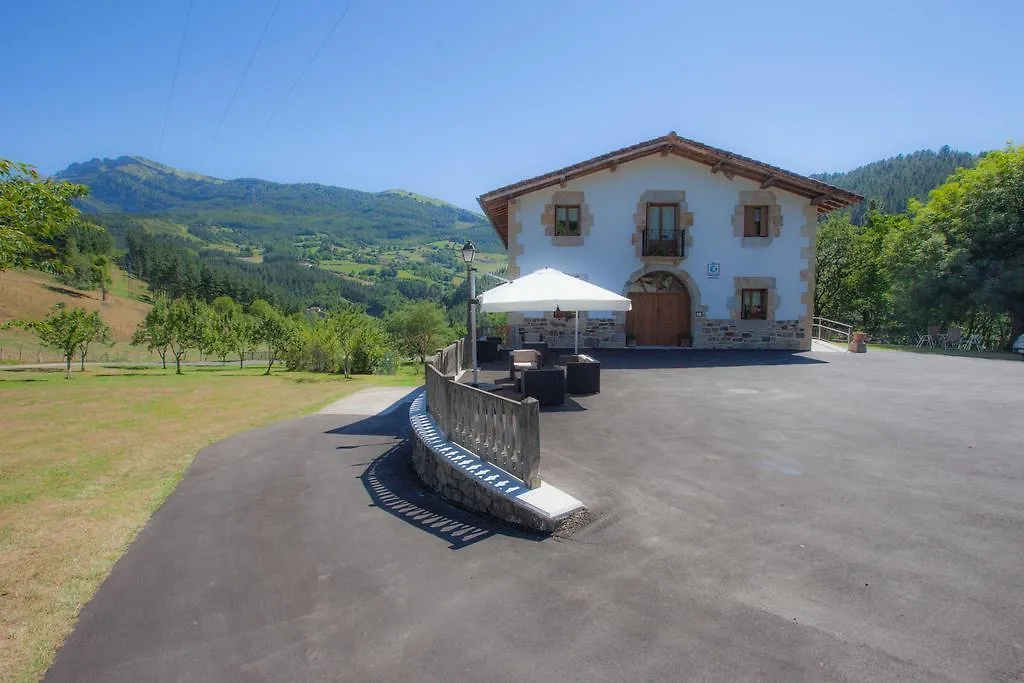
(973, 341)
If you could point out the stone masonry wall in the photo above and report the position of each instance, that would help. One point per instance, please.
(753, 334)
(714, 333)
(605, 333)
(438, 475)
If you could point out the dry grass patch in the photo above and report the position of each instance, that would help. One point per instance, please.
(85, 463)
(30, 295)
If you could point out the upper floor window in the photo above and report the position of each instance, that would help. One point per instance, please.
(754, 304)
(662, 236)
(755, 223)
(661, 221)
(567, 220)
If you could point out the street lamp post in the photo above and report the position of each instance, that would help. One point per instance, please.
(468, 253)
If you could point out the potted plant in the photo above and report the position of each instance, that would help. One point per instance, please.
(857, 344)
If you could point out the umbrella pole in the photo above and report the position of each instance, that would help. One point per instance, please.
(576, 340)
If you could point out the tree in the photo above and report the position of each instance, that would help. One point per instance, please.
(854, 280)
(177, 325)
(153, 331)
(223, 328)
(100, 275)
(244, 335)
(64, 329)
(187, 321)
(832, 296)
(964, 255)
(356, 332)
(34, 213)
(419, 328)
(272, 329)
(95, 331)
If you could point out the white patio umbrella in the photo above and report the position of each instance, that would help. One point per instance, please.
(548, 289)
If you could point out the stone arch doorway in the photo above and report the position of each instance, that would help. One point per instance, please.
(661, 310)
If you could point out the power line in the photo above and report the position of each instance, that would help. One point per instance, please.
(288, 94)
(238, 85)
(174, 81)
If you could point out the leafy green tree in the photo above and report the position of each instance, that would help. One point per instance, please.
(65, 329)
(854, 279)
(153, 331)
(99, 272)
(223, 329)
(419, 328)
(187, 324)
(272, 329)
(832, 296)
(177, 325)
(244, 335)
(95, 331)
(34, 213)
(964, 255)
(356, 333)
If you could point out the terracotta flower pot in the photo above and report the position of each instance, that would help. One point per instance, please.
(857, 344)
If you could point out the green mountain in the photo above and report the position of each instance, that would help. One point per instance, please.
(890, 183)
(257, 211)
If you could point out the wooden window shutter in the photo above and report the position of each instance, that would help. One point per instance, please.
(748, 221)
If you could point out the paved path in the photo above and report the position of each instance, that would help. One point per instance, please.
(737, 533)
(372, 401)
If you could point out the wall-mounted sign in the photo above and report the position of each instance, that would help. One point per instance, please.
(714, 270)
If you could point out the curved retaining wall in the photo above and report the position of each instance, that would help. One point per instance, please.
(468, 481)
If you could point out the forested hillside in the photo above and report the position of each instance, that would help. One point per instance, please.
(295, 245)
(248, 209)
(890, 183)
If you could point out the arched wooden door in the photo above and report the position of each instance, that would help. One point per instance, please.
(661, 311)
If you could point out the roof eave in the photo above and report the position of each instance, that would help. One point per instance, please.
(826, 198)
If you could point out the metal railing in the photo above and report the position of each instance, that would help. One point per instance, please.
(661, 245)
(831, 330)
(503, 432)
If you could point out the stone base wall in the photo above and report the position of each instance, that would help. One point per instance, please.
(439, 475)
(604, 333)
(610, 333)
(753, 334)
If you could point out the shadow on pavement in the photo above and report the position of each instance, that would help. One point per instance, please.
(642, 359)
(394, 488)
(395, 423)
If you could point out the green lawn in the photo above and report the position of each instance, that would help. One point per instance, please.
(85, 463)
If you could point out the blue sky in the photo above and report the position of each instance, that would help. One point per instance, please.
(454, 98)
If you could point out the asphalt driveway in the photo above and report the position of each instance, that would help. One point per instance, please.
(759, 517)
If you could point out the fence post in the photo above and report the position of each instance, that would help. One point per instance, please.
(448, 417)
(529, 424)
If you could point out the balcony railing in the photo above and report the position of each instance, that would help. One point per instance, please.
(663, 245)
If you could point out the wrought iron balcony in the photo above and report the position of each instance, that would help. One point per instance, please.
(660, 244)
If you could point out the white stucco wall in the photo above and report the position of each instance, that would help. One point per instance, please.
(608, 257)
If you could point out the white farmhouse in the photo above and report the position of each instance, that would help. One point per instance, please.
(715, 249)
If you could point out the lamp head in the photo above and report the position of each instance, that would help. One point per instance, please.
(468, 252)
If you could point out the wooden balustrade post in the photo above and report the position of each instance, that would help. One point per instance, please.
(448, 417)
(529, 425)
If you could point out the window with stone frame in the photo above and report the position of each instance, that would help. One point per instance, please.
(756, 221)
(662, 237)
(753, 304)
(567, 220)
